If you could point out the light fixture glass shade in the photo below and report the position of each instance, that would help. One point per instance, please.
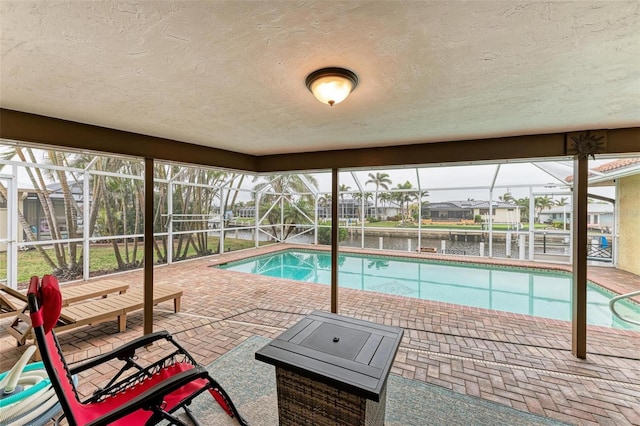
(331, 85)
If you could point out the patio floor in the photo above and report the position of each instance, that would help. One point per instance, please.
(520, 361)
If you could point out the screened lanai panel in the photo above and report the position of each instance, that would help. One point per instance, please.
(382, 179)
(117, 243)
(453, 177)
(538, 174)
(535, 174)
(323, 180)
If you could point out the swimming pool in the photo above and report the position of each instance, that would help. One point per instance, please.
(519, 290)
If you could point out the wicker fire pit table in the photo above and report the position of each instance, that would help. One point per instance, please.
(332, 370)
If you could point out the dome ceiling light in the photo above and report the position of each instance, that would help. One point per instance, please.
(331, 85)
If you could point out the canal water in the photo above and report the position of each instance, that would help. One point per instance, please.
(468, 247)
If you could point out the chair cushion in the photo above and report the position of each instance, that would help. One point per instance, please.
(51, 301)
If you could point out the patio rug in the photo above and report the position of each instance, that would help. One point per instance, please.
(252, 386)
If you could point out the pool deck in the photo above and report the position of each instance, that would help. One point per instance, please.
(516, 360)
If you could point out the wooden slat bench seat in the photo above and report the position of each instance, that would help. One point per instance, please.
(95, 311)
(7, 306)
(119, 306)
(70, 293)
(20, 327)
(91, 290)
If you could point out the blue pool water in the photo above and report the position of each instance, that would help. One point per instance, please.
(524, 291)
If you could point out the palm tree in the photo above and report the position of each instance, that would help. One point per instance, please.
(324, 201)
(197, 202)
(404, 196)
(542, 203)
(564, 201)
(342, 189)
(359, 196)
(385, 198)
(507, 198)
(524, 211)
(380, 180)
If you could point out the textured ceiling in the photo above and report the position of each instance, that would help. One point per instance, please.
(231, 74)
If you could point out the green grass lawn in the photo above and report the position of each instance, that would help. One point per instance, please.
(102, 258)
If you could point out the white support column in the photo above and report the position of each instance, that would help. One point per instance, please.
(12, 234)
(420, 194)
(86, 231)
(170, 222)
(255, 220)
(614, 228)
(521, 246)
(532, 214)
(362, 216)
(490, 225)
(315, 222)
(281, 238)
(222, 228)
(493, 184)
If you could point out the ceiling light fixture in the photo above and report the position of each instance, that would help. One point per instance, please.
(331, 85)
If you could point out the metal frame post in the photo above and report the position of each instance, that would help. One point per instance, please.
(148, 246)
(579, 230)
(335, 226)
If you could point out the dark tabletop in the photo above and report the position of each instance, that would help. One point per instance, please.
(350, 354)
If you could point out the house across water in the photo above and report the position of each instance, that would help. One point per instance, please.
(468, 210)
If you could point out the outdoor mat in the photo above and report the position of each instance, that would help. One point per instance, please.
(252, 386)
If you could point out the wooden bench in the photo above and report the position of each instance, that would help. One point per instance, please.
(8, 307)
(73, 293)
(20, 327)
(100, 310)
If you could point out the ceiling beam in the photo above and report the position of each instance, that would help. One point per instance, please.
(507, 148)
(25, 127)
(32, 128)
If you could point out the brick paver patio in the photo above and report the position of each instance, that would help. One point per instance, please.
(520, 361)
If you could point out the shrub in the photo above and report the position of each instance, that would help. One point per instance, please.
(324, 235)
(558, 225)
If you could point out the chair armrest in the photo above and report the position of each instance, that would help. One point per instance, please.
(124, 351)
(155, 393)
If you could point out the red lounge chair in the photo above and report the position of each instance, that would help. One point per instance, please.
(147, 396)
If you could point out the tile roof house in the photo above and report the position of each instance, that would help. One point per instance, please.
(450, 211)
